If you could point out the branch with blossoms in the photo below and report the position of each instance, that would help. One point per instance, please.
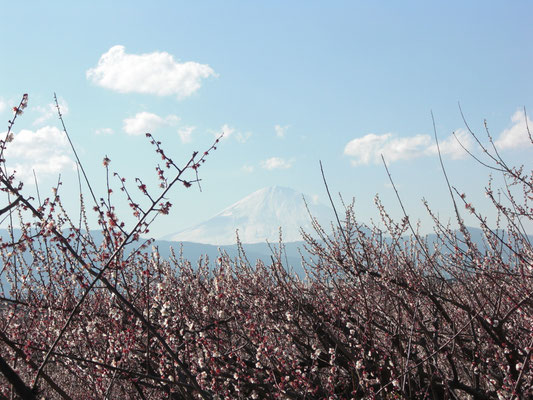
(109, 222)
(382, 312)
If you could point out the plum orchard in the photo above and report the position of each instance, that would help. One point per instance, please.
(374, 318)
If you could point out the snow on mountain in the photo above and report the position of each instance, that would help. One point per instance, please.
(258, 217)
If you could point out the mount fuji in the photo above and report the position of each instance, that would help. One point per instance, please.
(258, 217)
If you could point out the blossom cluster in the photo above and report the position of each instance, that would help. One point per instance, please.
(372, 318)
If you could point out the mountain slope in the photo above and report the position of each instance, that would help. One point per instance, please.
(257, 218)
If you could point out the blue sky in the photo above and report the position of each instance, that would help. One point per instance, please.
(291, 83)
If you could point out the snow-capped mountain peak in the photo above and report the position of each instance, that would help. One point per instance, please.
(258, 217)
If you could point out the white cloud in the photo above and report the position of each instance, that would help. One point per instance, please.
(405, 148)
(226, 130)
(229, 131)
(144, 122)
(3, 105)
(516, 135)
(369, 148)
(276, 163)
(154, 73)
(50, 111)
(46, 151)
(185, 133)
(281, 130)
(366, 149)
(451, 147)
(104, 131)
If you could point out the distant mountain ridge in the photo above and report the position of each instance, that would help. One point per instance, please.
(254, 251)
(258, 218)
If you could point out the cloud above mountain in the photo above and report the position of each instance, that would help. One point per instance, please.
(276, 163)
(153, 73)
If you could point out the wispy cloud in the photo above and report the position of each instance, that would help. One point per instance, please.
(248, 168)
(226, 130)
(369, 148)
(516, 135)
(281, 130)
(242, 137)
(104, 131)
(154, 73)
(229, 131)
(3, 105)
(144, 122)
(276, 163)
(50, 111)
(185, 133)
(45, 150)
